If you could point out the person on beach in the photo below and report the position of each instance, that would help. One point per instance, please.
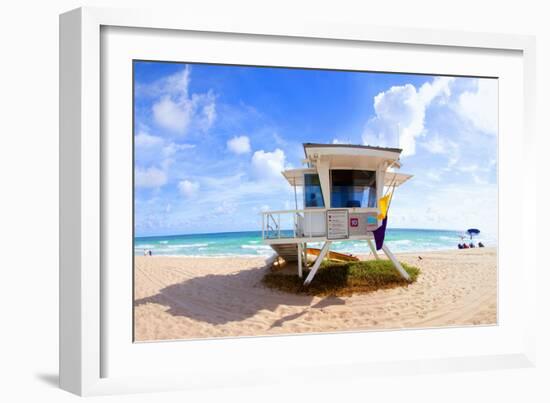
(150, 253)
(480, 245)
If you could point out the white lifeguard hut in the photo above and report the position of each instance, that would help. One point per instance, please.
(342, 186)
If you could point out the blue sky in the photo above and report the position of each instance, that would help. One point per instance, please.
(210, 142)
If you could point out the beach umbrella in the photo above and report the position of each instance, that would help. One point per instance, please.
(472, 232)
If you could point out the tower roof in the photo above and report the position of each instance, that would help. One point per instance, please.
(350, 146)
(351, 156)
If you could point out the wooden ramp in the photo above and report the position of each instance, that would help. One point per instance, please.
(343, 257)
(289, 252)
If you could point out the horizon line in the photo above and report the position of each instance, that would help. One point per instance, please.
(235, 232)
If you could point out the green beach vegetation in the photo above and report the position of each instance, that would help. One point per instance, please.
(339, 278)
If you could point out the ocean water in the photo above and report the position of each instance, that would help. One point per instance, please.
(248, 244)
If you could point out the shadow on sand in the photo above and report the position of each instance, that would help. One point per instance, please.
(222, 298)
(324, 303)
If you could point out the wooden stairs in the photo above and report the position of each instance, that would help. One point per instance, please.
(288, 251)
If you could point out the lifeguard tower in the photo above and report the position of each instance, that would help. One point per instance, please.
(342, 186)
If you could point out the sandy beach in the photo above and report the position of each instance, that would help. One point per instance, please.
(182, 298)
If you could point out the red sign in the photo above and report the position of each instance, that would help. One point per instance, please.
(354, 222)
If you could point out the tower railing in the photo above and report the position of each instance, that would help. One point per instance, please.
(308, 223)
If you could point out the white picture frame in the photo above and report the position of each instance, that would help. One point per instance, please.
(83, 305)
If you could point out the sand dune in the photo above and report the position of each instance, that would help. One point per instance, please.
(180, 298)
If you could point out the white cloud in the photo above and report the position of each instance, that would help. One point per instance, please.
(400, 112)
(435, 145)
(279, 140)
(156, 151)
(434, 175)
(479, 180)
(480, 107)
(209, 114)
(479, 173)
(457, 207)
(471, 168)
(177, 83)
(239, 145)
(173, 115)
(177, 110)
(171, 148)
(453, 159)
(146, 140)
(438, 87)
(226, 208)
(440, 146)
(268, 165)
(187, 188)
(149, 178)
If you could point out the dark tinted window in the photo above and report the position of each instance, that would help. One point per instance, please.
(353, 188)
(313, 195)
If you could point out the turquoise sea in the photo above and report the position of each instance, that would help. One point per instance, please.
(250, 243)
